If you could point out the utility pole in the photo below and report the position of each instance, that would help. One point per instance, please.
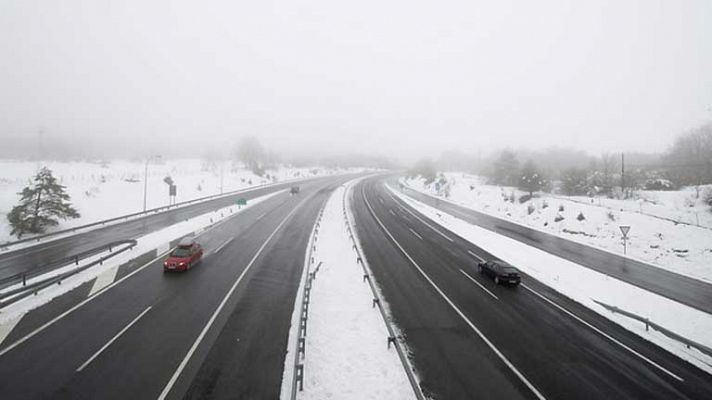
(623, 175)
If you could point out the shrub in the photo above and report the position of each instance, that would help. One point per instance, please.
(581, 217)
(561, 207)
(611, 216)
(530, 209)
(558, 218)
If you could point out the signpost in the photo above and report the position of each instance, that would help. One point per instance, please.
(241, 202)
(624, 231)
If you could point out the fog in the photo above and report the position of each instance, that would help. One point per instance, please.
(399, 79)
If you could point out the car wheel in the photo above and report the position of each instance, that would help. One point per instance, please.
(496, 280)
(187, 267)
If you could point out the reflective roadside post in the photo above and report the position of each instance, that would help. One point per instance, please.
(624, 231)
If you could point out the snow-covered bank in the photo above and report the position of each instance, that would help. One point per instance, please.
(656, 235)
(104, 190)
(586, 286)
(104, 275)
(346, 353)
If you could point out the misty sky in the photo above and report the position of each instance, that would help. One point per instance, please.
(409, 78)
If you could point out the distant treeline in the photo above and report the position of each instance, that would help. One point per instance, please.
(688, 162)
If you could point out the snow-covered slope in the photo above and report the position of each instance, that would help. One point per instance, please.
(104, 190)
(665, 233)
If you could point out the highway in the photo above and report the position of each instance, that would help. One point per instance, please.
(685, 290)
(472, 339)
(218, 330)
(24, 259)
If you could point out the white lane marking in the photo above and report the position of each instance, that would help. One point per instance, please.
(202, 334)
(476, 256)
(222, 245)
(97, 294)
(424, 222)
(607, 336)
(454, 307)
(104, 280)
(8, 326)
(261, 215)
(392, 213)
(113, 339)
(416, 234)
(479, 284)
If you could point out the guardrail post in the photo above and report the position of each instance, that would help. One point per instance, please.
(359, 260)
(391, 339)
(302, 346)
(375, 301)
(365, 277)
(76, 260)
(300, 376)
(24, 279)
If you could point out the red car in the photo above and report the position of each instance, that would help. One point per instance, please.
(185, 255)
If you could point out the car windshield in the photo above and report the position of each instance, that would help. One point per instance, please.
(180, 252)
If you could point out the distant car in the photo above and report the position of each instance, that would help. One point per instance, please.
(185, 255)
(294, 190)
(500, 271)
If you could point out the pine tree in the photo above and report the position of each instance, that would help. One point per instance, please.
(531, 180)
(41, 205)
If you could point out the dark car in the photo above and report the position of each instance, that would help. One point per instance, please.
(294, 190)
(185, 255)
(500, 271)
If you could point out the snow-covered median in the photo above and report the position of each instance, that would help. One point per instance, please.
(105, 274)
(346, 355)
(586, 286)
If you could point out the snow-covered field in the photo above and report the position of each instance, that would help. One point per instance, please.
(158, 240)
(346, 345)
(102, 190)
(586, 286)
(655, 237)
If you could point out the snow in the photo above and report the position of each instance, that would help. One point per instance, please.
(102, 190)
(660, 235)
(346, 355)
(157, 241)
(586, 286)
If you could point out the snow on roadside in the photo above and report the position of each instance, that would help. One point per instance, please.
(102, 190)
(680, 248)
(346, 344)
(158, 240)
(585, 286)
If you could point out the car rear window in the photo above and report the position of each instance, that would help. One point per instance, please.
(181, 252)
(509, 270)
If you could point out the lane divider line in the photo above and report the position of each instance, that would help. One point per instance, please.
(607, 336)
(416, 234)
(213, 317)
(51, 322)
(476, 256)
(225, 243)
(479, 284)
(112, 340)
(455, 308)
(424, 222)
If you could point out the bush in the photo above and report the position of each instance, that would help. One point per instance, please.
(558, 218)
(561, 207)
(581, 217)
(530, 209)
(611, 216)
(707, 196)
(659, 184)
(544, 204)
(525, 198)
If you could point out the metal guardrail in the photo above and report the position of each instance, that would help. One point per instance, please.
(649, 324)
(377, 301)
(298, 375)
(27, 289)
(147, 212)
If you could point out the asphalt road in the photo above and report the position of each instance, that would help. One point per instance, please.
(689, 291)
(25, 259)
(472, 339)
(218, 330)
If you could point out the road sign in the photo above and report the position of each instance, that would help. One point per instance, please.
(241, 202)
(172, 190)
(624, 230)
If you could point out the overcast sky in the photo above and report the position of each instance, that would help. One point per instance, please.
(405, 78)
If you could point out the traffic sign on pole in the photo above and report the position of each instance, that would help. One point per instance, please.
(625, 229)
